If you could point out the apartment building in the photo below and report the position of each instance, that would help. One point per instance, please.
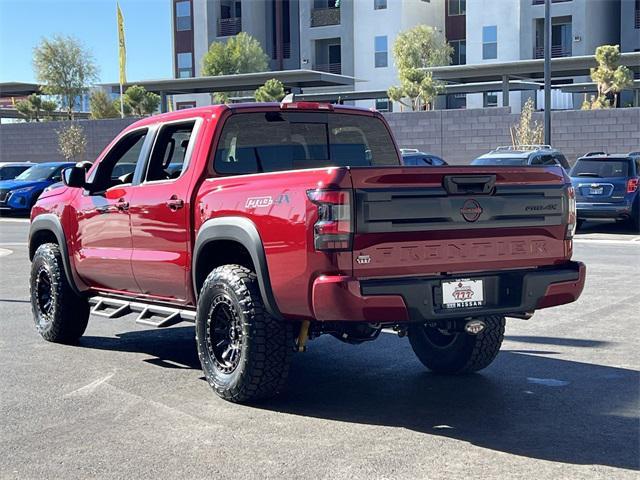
(348, 37)
(514, 30)
(355, 37)
(198, 23)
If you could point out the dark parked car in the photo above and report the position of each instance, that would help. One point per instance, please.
(10, 170)
(422, 159)
(19, 195)
(607, 188)
(523, 155)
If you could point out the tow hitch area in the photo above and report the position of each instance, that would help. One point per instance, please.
(474, 327)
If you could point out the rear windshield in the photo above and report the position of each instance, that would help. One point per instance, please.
(276, 141)
(500, 161)
(603, 168)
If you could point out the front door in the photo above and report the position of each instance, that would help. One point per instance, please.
(103, 238)
(160, 215)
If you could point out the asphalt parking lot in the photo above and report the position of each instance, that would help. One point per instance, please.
(561, 400)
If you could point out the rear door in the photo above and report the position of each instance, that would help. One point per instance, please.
(428, 221)
(160, 213)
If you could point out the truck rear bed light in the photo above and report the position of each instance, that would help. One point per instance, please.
(306, 106)
(572, 220)
(632, 185)
(333, 229)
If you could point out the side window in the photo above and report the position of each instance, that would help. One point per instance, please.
(56, 176)
(169, 156)
(118, 166)
(561, 160)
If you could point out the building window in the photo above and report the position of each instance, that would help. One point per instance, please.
(456, 7)
(379, 4)
(185, 65)
(459, 55)
(381, 51)
(183, 16)
(490, 99)
(384, 105)
(456, 101)
(489, 42)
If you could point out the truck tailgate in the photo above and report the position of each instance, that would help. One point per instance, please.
(434, 220)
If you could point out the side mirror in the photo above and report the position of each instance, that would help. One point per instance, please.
(74, 177)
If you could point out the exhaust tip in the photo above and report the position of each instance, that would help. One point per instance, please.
(474, 327)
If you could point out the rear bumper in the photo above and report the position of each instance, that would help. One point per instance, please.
(341, 298)
(617, 211)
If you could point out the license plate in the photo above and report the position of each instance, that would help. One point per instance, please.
(463, 293)
(596, 190)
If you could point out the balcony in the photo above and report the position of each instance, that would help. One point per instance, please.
(321, 17)
(329, 67)
(637, 22)
(227, 27)
(556, 51)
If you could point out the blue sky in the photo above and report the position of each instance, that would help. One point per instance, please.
(23, 23)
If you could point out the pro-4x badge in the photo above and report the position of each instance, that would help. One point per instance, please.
(363, 259)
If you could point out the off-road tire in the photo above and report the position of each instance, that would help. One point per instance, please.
(461, 353)
(266, 344)
(65, 317)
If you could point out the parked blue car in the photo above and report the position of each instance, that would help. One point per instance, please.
(19, 195)
(607, 188)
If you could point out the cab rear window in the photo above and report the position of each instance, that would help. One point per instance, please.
(278, 141)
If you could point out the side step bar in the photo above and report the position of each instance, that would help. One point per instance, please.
(158, 316)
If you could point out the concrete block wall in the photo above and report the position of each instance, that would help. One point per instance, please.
(38, 142)
(459, 136)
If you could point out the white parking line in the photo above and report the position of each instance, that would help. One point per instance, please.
(14, 220)
(14, 244)
(606, 242)
(4, 252)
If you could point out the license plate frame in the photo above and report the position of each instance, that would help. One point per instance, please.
(462, 293)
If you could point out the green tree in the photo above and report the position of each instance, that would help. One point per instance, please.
(48, 107)
(239, 54)
(415, 50)
(72, 142)
(139, 101)
(610, 77)
(34, 108)
(65, 68)
(271, 91)
(527, 131)
(102, 106)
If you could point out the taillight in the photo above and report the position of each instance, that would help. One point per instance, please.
(572, 219)
(632, 185)
(334, 228)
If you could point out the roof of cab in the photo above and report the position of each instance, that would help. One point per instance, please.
(211, 110)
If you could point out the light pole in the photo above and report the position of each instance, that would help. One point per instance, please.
(547, 72)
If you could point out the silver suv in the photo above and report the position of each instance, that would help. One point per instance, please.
(523, 155)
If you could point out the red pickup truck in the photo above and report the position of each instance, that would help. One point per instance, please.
(271, 224)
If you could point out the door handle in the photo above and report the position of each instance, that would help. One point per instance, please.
(175, 203)
(122, 205)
